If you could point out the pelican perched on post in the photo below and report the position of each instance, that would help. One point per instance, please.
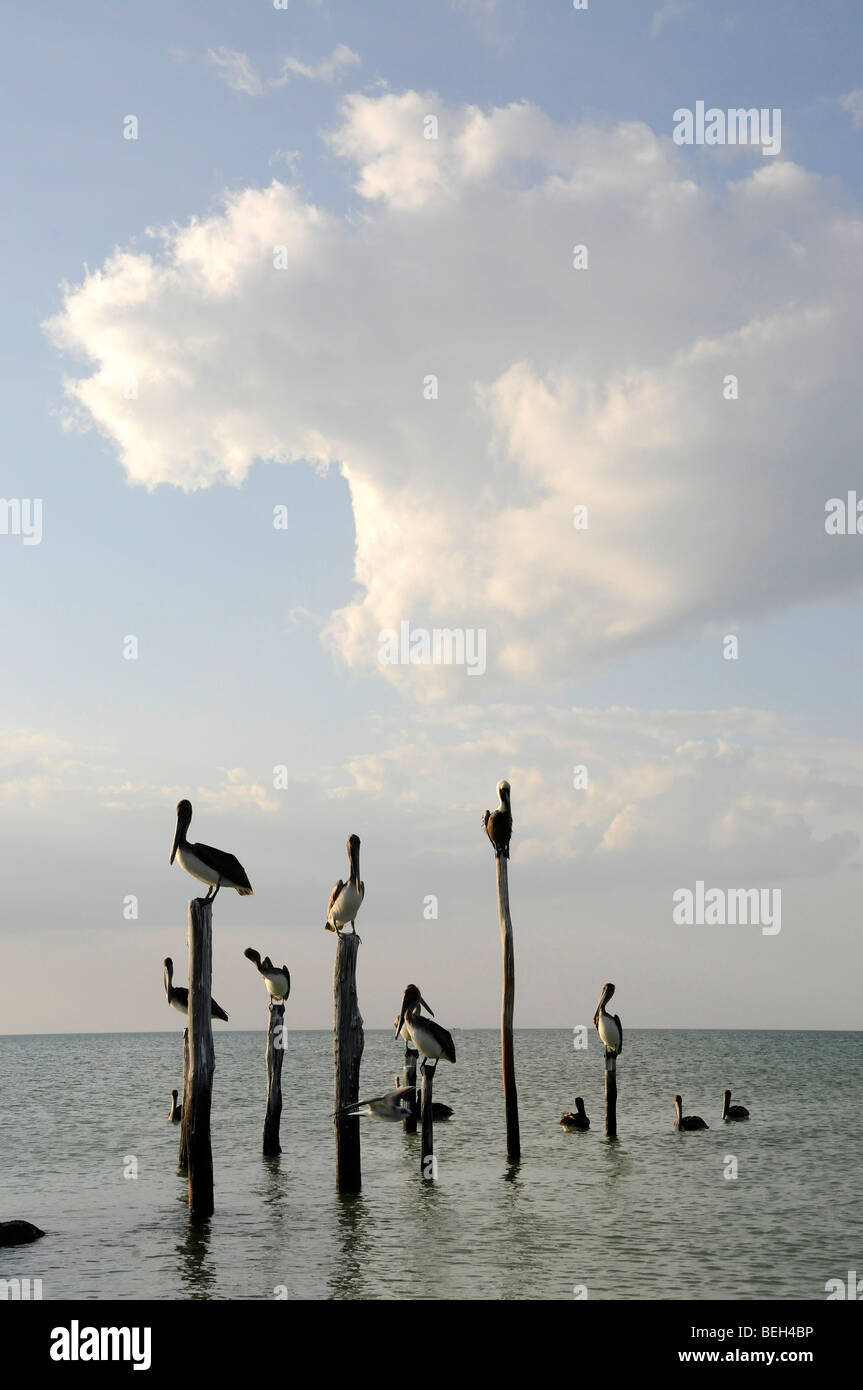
(176, 1111)
(178, 995)
(345, 899)
(732, 1112)
(427, 1036)
(576, 1119)
(395, 1105)
(607, 1025)
(212, 866)
(277, 978)
(498, 824)
(682, 1121)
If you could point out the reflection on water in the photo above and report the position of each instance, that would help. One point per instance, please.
(196, 1269)
(651, 1214)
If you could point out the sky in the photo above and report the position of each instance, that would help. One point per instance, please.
(343, 318)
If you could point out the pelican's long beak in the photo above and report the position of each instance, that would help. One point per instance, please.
(427, 1006)
(401, 1019)
(176, 843)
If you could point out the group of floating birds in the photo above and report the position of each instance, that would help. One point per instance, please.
(218, 870)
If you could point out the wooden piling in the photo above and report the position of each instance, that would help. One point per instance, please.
(611, 1094)
(181, 1157)
(348, 1042)
(202, 1060)
(409, 1123)
(275, 1056)
(427, 1162)
(513, 1137)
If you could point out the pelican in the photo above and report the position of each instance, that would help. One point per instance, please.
(498, 824)
(395, 1105)
(682, 1121)
(427, 1036)
(212, 866)
(607, 1025)
(575, 1119)
(732, 1112)
(276, 978)
(178, 995)
(345, 899)
(176, 1111)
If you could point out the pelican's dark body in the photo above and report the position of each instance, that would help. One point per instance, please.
(732, 1112)
(213, 866)
(276, 977)
(608, 1026)
(428, 1037)
(682, 1121)
(346, 898)
(575, 1119)
(498, 824)
(178, 995)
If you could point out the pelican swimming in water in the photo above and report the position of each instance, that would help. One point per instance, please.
(575, 1119)
(682, 1121)
(178, 995)
(277, 978)
(212, 866)
(428, 1037)
(607, 1025)
(732, 1112)
(176, 1111)
(395, 1105)
(345, 899)
(498, 824)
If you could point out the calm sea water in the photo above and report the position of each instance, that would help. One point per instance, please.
(650, 1216)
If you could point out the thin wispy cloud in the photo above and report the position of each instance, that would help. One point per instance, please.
(852, 103)
(238, 72)
(235, 69)
(667, 13)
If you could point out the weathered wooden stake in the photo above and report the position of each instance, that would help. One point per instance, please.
(181, 1157)
(428, 1166)
(611, 1094)
(202, 1060)
(409, 1123)
(513, 1137)
(348, 1042)
(275, 1056)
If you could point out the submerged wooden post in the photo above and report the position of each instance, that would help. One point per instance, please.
(181, 1157)
(202, 1060)
(275, 1056)
(348, 1042)
(611, 1094)
(513, 1137)
(409, 1123)
(428, 1166)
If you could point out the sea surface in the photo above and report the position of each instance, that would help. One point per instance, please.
(652, 1215)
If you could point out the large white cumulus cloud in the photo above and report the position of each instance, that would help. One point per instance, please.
(557, 387)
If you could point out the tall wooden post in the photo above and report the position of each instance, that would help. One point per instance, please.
(202, 1060)
(348, 1042)
(611, 1094)
(275, 1056)
(428, 1167)
(513, 1137)
(181, 1157)
(409, 1123)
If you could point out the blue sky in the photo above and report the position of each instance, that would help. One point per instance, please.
(747, 773)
